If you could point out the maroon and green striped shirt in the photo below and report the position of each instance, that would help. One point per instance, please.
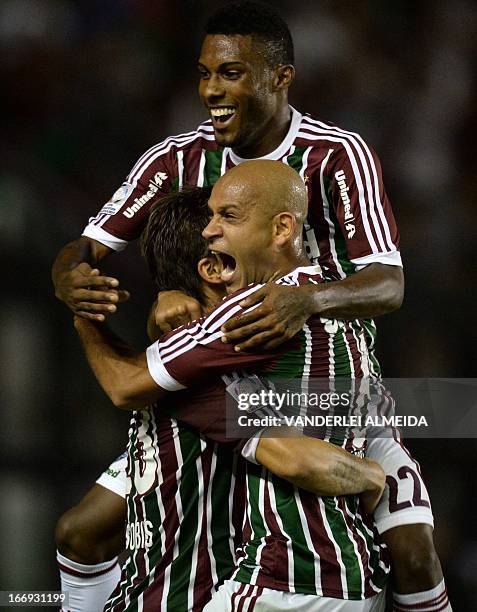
(292, 540)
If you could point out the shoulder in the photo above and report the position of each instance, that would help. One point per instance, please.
(302, 275)
(201, 137)
(228, 307)
(318, 134)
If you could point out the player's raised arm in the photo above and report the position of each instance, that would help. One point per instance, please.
(375, 290)
(79, 283)
(121, 371)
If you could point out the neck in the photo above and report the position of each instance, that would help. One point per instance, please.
(211, 295)
(289, 263)
(269, 137)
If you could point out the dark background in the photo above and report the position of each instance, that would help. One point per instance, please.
(86, 88)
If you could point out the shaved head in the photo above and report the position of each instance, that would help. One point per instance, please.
(272, 186)
(258, 209)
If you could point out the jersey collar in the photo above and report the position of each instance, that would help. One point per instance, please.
(282, 148)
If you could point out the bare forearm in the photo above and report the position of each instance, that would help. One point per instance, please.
(74, 253)
(318, 466)
(373, 291)
(120, 370)
(345, 475)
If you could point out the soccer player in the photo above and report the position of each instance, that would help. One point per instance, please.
(246, 67)
(89, 537)
(175, 559)
(294, 533)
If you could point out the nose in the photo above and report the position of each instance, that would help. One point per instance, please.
(212, 229)
(212, 88)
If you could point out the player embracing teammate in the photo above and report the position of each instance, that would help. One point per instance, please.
(246, 68)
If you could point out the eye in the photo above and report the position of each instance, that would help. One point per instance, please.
(232, 74)
(228, 215)
(203, 73)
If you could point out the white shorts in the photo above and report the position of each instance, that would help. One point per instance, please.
(405, 500)
(233, 596)
(114, 477)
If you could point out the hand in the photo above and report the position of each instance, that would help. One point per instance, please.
(174, 309)
(370, 498)
(281, 315)
(89, 294)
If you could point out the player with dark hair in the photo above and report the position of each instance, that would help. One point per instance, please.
(350, 230)
(264, 25)
(172, 230)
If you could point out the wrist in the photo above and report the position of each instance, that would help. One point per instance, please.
(315, 299)
(375, 476)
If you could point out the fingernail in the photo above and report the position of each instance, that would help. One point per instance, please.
(113, 282)
(111, 308)
(237, 349)
(112, 297)
(224, 339)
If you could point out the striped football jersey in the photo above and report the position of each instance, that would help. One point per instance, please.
(184, 515)
(350, 222)
(292, 540)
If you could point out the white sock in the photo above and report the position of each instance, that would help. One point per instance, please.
(88, 586)
(434, 600)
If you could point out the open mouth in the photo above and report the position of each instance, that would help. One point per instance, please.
(229, 265)
(222, 116)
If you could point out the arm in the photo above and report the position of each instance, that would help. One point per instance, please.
(121, 371)
(375, 290)
(80, 285)
(322, 468)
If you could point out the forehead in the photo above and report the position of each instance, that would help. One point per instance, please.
(221, 48)
(241, 195)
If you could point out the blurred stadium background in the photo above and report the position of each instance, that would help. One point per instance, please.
(86, 88)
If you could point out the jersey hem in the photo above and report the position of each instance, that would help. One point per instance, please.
(405, 517)
(307, 589)
(393, 258)
(98, 234)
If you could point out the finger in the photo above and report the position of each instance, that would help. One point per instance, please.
(275, 343)
(93, 307)
(249, 325)
(257, 341)
(255, 298)
(123, 295)
(90, 316)
(195, 311)
(87, 295)
(84, 280)
(236, 323)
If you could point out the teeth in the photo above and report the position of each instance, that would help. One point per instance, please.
(221, 112)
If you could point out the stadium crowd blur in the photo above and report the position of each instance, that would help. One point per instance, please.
(86, 88)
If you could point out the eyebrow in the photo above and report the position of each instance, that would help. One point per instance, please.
(222, 207)
(223, 66)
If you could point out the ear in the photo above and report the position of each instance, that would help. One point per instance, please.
(284, 225)
(284, 76)
(209, 270)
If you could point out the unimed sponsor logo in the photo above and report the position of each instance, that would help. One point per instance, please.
(340, 177)
(153, 188)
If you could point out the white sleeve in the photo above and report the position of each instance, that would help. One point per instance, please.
(249, 449)
(98, 234)
(157, 370)
(393, 258)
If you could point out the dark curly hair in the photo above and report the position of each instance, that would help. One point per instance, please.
(172, 241)
(259, 20)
